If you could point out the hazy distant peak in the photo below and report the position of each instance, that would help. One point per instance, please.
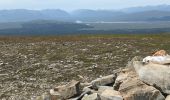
(147, 8)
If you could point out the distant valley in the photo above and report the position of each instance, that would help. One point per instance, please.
(148, 19)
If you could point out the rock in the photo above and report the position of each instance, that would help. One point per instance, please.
(154, 74)
(45, 96)
(85, 84)
(88, 88)
(32, 79)
(137, 81)
(103, 88)
(110, 94)
(140, 91)
(66, 91)
(168, 97)
(55, 95)
(82, 94)
(130, 64)
(122, 76)
(93, 96)
(106, 80)
(81, 77)
(132, 88)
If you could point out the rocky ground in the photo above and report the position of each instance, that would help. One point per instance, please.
(137, 81)
(34, 65)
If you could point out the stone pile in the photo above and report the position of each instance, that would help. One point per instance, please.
(137, 81)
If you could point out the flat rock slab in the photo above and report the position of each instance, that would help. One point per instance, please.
(106, 80)
(103, 88)
(66, 91)
(110, 94)
(132, 88)
(154, 74)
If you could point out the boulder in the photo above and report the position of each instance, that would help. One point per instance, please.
(110, 94)
(84, 92)
(106, 80)
(103, 88)
(130, 64)
(80, 96)
(168, 97)
(88, 89)
(93, 96)
(138, 81)
(65, 91)
(55, 95)
(132, 88)
(137, 90)
(154, 74)
(124, 75)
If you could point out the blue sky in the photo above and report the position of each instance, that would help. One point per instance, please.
(77, 4)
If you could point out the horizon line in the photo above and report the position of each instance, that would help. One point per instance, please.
(83, 8)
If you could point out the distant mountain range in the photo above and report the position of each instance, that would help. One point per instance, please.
(147, 13)
(147, 8)
(29, 15)
(148, 19)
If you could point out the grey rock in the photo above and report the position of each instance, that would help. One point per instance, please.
(45, 96)
(106, 80)
(130, 64)
(132, 88)
(168, 97)
(55, 95)
(85, 84)
(103, 88)
(122, 76)
(66, 91)
(88, 88)
(81, 96)
(110, 94)
(93, 96)
(154, 74)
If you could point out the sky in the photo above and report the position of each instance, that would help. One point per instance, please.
(70, 5)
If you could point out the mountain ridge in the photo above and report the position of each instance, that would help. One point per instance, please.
(146, 13)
